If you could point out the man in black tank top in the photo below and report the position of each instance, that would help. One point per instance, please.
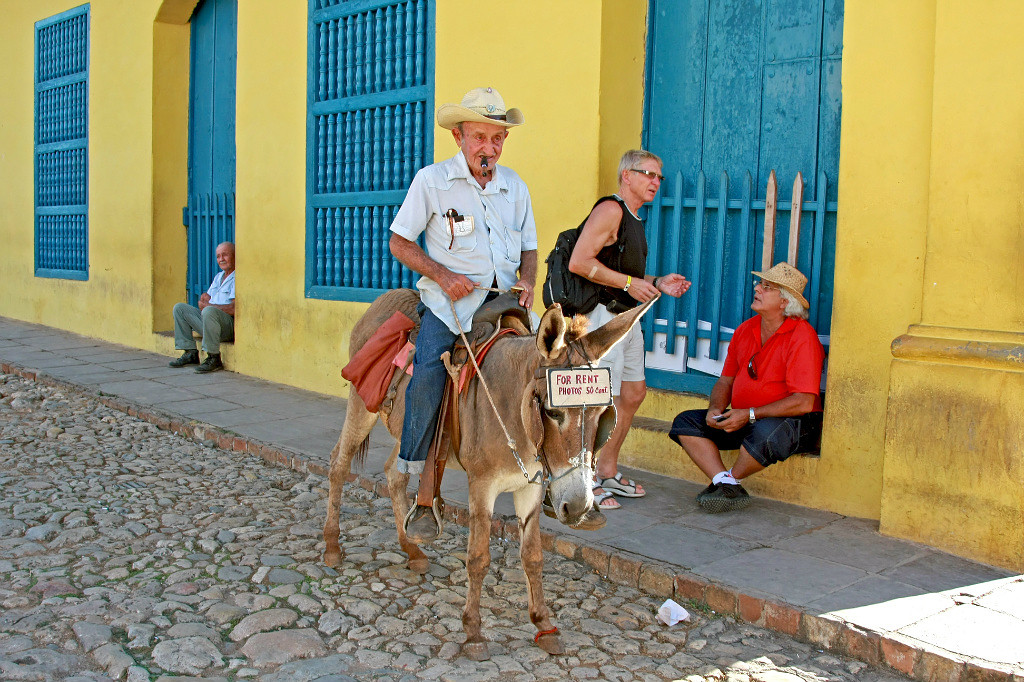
(612, 251)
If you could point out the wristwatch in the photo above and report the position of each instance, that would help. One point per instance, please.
(752, 417)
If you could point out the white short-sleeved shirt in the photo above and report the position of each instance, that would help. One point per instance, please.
(222, 291)
(503, 229)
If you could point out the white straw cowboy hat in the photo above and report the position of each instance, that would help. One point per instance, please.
(787, 277)
(480, 105)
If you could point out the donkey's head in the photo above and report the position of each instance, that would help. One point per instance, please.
(567, 438)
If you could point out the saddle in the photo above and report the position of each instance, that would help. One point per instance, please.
(372, 369)
(497, 317)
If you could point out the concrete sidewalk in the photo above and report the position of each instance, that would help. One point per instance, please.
(824, 578)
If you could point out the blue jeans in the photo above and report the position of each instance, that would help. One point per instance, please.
(425, 391)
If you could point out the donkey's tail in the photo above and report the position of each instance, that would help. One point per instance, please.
(359, 456)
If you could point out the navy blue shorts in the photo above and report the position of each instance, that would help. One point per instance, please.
(768, 440)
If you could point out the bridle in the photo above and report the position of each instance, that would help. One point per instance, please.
(580, 459)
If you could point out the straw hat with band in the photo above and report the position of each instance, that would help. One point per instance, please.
(480, 105)
(788, 278)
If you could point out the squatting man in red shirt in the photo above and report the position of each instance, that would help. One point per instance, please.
(767, 402)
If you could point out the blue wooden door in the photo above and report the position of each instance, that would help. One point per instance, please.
(210, 214)
(735, 89)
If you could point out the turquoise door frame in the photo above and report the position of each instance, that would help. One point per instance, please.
(735, 89)
(210, 214)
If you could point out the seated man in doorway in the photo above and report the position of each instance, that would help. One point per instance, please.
(767, 402)
(214, 318)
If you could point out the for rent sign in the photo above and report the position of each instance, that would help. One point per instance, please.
(579, 386)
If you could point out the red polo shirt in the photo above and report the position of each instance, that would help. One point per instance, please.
(790, 362)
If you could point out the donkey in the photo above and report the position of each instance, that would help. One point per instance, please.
(556, 443)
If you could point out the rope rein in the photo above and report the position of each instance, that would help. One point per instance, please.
(487, 391)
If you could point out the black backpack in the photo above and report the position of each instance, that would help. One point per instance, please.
(576, 294)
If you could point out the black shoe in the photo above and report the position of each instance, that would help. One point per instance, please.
(420, 525)
(725, 497)
(212, 363)
(189, 357)
(707, 491)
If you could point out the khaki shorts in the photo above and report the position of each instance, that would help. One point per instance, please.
(626, 358)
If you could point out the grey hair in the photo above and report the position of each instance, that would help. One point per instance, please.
(636, 156)
(793, 307)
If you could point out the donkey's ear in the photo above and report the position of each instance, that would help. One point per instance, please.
(598, 342)
(551, 333)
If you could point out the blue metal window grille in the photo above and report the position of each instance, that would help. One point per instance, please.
(369, 114)
(61, 145)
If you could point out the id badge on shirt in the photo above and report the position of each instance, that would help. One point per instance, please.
(458, 225)
(462, 227)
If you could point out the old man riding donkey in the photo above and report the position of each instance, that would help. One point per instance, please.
(506, 428)
(545, 444)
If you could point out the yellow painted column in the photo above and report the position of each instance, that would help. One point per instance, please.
(954, 448)
(880, 241)
(955, 443)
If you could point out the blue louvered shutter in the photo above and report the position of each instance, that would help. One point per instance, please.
(61, 145)
(369, 114)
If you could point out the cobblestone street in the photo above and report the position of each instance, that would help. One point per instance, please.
(131, 553)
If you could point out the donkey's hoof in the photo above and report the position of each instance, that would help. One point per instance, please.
(332, 559)
(419, 566)
(551, 644)
(476, 651)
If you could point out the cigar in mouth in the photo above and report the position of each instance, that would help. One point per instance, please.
(483, 167)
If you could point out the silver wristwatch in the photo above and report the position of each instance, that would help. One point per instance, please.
(752, 417)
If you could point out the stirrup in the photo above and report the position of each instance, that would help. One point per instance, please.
(436, 508)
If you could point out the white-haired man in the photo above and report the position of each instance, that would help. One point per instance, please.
(214, 318)
(477, 220)
(767, 402)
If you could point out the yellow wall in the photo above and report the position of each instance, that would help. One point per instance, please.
(975, 254)
(955, 434)
(170, 156)
(115, 301)
(954, 451)
(552, 75)
(623, 44)
(281, 335)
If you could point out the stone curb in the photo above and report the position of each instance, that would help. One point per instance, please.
(905, 655)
